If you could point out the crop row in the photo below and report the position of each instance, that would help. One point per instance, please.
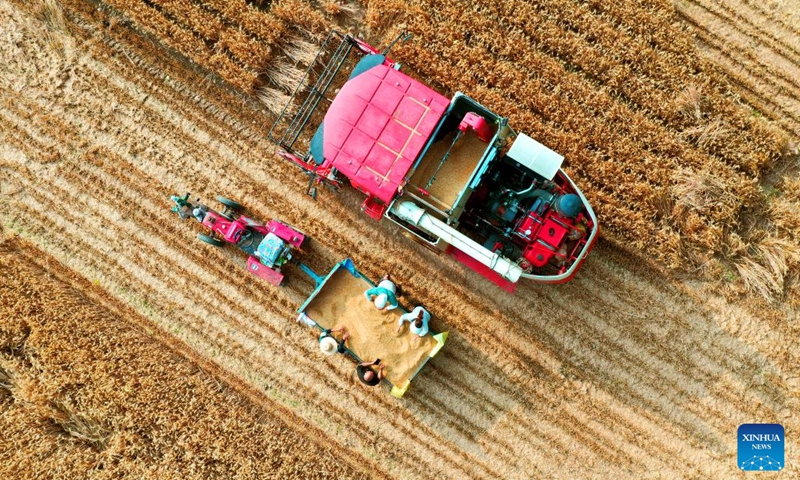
(187, 42)
(633, 69)
(113, 193)
(123, 191)
(348, 239)
(491, 406)
(184, 413)
(759, 63)
(233, 38)
(640, 69)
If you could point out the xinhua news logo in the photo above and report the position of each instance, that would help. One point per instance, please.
(761, 446)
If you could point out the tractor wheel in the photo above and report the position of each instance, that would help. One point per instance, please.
(210, 240)
(232, 206)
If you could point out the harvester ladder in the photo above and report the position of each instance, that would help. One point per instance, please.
(316, 93)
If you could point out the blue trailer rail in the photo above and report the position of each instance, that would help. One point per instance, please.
(372, 332)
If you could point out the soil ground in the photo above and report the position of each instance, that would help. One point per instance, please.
(621, 373)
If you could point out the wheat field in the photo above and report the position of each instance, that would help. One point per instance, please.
(129, 349)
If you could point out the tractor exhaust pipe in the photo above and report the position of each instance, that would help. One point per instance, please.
(417, 216)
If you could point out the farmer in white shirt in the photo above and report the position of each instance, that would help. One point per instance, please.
(417, 321)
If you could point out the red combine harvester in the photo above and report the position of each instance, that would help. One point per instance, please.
(268, 246)
(450, 172)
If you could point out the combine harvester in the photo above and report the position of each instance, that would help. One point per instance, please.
(338, 298)
(450, 172)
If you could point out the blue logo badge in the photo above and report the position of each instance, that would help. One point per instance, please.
(761, 446)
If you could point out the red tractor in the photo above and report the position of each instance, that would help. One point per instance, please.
(268, 247)
(338, 297)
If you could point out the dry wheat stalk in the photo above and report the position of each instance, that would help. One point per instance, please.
(273, 98)
(284, 76)
(690, 102)
(299, 51)
(80, 426)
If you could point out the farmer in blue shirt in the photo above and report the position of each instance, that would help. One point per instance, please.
(384, 295)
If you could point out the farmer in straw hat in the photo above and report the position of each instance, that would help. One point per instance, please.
(328, 343)
(384, 295)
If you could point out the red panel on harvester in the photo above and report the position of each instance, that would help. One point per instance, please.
(377, 126)
(552, 232)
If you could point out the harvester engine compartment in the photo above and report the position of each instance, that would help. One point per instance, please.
(524, 216)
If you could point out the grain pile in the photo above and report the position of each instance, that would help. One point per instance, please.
(372, 332)
(454, 173)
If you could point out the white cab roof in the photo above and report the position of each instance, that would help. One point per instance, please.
(535, 156)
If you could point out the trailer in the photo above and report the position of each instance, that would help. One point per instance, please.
(339, 300)
(451, 173)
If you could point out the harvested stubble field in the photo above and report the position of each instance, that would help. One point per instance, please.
(622, 373)
(75, 402)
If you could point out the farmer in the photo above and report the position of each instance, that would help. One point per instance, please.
(384, 295)
(328, 343)
(368, 375)
(418, 321)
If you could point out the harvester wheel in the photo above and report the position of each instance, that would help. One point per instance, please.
(210, 240)
(232, 206)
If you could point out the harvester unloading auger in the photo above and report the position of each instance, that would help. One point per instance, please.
(450, 172)
(338, 298)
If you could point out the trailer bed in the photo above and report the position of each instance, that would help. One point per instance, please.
(340, 300)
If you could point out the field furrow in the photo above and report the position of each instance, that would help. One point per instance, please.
(751, 56)
(614, 375)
